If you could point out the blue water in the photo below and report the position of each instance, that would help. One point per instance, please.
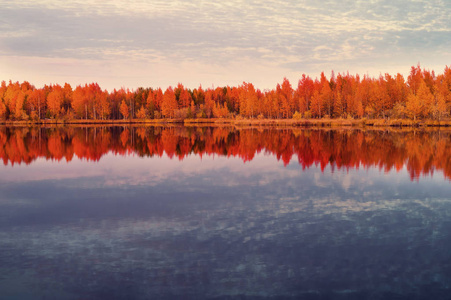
(130, 227)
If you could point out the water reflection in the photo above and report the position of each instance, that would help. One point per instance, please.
(422, 152)
(148, 226)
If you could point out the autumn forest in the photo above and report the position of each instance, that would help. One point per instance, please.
(423, 95)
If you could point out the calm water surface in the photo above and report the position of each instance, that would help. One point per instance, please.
(194, 213)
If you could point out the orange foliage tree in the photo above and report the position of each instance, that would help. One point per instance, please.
(423, 95)
(55, 100)
(125, 112)
(169, 104)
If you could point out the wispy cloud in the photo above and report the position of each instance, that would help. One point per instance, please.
(288, 37)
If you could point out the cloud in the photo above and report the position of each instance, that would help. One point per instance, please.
(289, 37)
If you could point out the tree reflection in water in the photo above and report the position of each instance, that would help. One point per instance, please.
(421, 151)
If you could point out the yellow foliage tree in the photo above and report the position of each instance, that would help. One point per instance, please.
(123, 109)
(141, 113)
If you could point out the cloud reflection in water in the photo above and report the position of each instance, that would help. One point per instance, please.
(153, 227)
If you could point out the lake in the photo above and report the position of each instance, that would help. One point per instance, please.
(136, 212)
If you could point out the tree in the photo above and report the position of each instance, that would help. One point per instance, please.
(169, 104)
(105, 108)
(304, 93)
(80, 101)
(19, 113)
(426, 99)
(124, 110)
(326, 95)
(286, 99)
(130, 98)
(10, 97)
(141, 113)
(158, 99)
(55, 100)
(338, 105)
(184, 97)
(95, 96)
(2, 110)
(248, 100)
(150, 104)
(413, 106)
(220, 111)
(439, 109)
(209, 103)
(36, 103)
(415, 78)
(67, 95)
(317, 104)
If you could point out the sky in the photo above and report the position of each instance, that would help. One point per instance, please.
(160, 43)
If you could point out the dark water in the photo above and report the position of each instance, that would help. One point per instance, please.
(195, 213)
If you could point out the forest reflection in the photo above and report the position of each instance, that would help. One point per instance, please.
(421, 151)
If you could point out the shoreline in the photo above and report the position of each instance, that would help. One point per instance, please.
(245, 122)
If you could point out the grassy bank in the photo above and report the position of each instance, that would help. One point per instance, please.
(246, 122)
(323, 122)
(93, 122)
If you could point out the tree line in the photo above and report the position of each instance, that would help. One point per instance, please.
(424, 95)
